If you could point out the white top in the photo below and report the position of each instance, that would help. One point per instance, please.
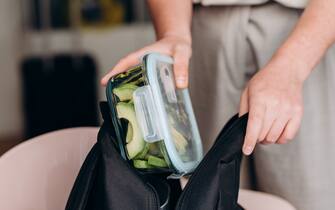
(288, 3)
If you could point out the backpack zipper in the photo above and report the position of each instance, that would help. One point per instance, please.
(156, 204)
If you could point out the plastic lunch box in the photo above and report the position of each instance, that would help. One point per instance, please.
(154, 122)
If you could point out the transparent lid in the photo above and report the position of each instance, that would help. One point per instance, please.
(165, 113)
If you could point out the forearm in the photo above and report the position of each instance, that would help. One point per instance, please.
(171, 18)
(312, 36)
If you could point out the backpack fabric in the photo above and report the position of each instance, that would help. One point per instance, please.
(106, 181)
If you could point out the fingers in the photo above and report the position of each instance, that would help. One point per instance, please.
(269, 119)
(180, 66)
(183, 181)
(290, 130)
(255, 124)
(176, 47)
(181, 57)
(124, 64)
(275, 105)
(276, 129)
(244, 103)
(268, 124)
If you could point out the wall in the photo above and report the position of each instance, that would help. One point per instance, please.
(10, 111)
(106, 45)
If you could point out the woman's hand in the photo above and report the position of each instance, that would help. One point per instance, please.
(273, 98)
(177, 47)
(173, 33)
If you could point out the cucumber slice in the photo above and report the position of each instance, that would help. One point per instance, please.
(136, 144)
(142, 164)
(156, 161)
(163, 152)
(143, 153)
(125, 92)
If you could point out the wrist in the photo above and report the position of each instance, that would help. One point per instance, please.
(185, 37)
(286, 67)
(301, 52)
(298, 57)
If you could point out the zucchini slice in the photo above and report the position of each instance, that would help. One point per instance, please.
(156, 161)
(142, 164)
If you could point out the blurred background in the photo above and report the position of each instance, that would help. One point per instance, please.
(52, 56)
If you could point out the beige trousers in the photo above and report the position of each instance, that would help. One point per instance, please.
(229, 45)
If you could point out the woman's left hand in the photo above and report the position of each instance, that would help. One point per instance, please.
(273, 98)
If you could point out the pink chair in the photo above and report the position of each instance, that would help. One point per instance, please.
(253, 200)
(38, 174)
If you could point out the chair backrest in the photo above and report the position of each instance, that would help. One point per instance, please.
(39, 173)
(253, 200)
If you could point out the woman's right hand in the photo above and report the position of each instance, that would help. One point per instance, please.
(177, 47)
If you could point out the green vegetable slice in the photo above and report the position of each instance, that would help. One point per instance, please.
(156, 161)
(154, 149)
(129, 135)
(125, 92)
(179, 141)
(163, 152)
(142, 164)
(143, 153)
(136, 144)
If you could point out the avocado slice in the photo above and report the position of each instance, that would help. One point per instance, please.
(179, 141)
(136, 144)
(125, 92)
(129, 135)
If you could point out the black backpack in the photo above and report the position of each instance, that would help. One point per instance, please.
(106, 181)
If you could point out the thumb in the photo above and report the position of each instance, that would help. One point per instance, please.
(181, 64)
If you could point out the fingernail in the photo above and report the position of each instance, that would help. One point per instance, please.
(181, 81)
(103, 80)
(247, 150)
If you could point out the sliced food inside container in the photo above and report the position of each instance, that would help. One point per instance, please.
(155, 120)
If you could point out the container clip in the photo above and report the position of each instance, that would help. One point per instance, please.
(146, 114)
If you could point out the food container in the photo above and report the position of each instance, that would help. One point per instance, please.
(154, 121)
